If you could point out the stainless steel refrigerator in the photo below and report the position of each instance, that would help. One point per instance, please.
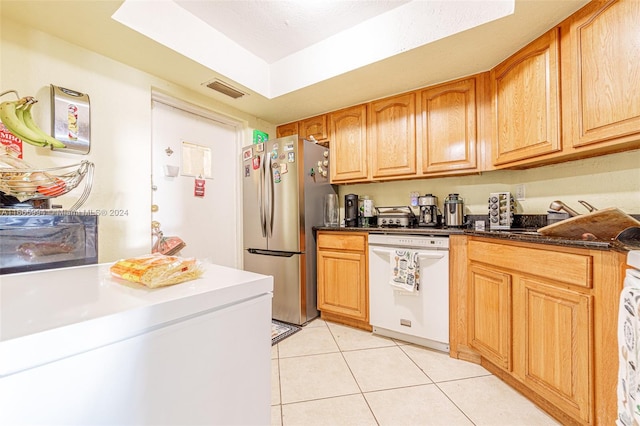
(284, 183)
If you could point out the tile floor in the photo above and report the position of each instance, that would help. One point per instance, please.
(329, 374)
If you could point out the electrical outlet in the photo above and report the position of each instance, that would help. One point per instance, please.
(520, 192)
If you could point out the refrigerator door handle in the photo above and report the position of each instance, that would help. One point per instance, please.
(269, 189)
(272, 253)
(261, 201)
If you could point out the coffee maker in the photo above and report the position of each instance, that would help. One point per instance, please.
(351, 210)
(428, 205)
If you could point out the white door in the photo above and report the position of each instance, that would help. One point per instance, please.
(208, 224)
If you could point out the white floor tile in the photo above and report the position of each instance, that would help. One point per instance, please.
(417, 405)
(349, 338)
(489, 401)
(275, 382)
(315, 376)
(439, 366)
(384, 368)
(316, 322)
(343, 411)
(308, 341)
(274, 351)
(276, 415)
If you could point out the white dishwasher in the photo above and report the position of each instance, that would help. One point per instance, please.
(419, 315)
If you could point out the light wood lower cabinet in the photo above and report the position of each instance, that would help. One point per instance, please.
(552, 328)
(544, 319)
(343, 289)
(490, 314)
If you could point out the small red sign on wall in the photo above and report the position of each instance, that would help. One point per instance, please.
(10, 142)
(198, 189)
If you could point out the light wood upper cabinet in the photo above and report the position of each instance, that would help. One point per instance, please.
(287, 130)
(601, 73)
(348, 135)
(392, 136)
(449, 119)
(314, 126)
(526, 102)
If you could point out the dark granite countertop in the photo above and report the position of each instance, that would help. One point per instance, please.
(379, 230)
(534, 237)
(522, 235)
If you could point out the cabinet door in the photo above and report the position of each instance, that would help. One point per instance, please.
(526, 102)
(552, 337)
(489, 312)
(287, 130)
(449, 127)
(601, 72)
(392, 136)
(314, 126)
(342, 283)
(348, 135)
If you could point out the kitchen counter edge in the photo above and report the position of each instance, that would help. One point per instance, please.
(502, 234)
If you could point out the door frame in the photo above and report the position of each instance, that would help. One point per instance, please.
(238, 125)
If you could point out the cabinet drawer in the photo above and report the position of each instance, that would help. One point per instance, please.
(342, 241)
(570, 268)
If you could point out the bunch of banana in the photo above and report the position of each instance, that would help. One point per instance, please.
(16, 117)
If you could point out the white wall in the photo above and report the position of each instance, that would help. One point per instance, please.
(606, 181)
(120, 126)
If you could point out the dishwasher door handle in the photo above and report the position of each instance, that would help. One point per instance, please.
(422, 255)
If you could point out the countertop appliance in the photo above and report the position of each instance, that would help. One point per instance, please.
(284, 184)
(501, 208)
(453, 211)
(420, 316)
(395, 217)
(428, 205)
(351, 210)
(36, 239)
(628, 340)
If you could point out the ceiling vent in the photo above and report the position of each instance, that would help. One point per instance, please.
(224, 88)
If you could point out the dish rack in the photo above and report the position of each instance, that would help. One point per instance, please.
(26, 183)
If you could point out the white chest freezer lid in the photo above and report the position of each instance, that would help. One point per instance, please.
(633, 259)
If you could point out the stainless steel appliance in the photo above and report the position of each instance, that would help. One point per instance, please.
(428, 205)
(35, 239)
(395, 217)
(453, 211)
(284, 184)
(421, 314)
(351, 210)
(501, 208)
